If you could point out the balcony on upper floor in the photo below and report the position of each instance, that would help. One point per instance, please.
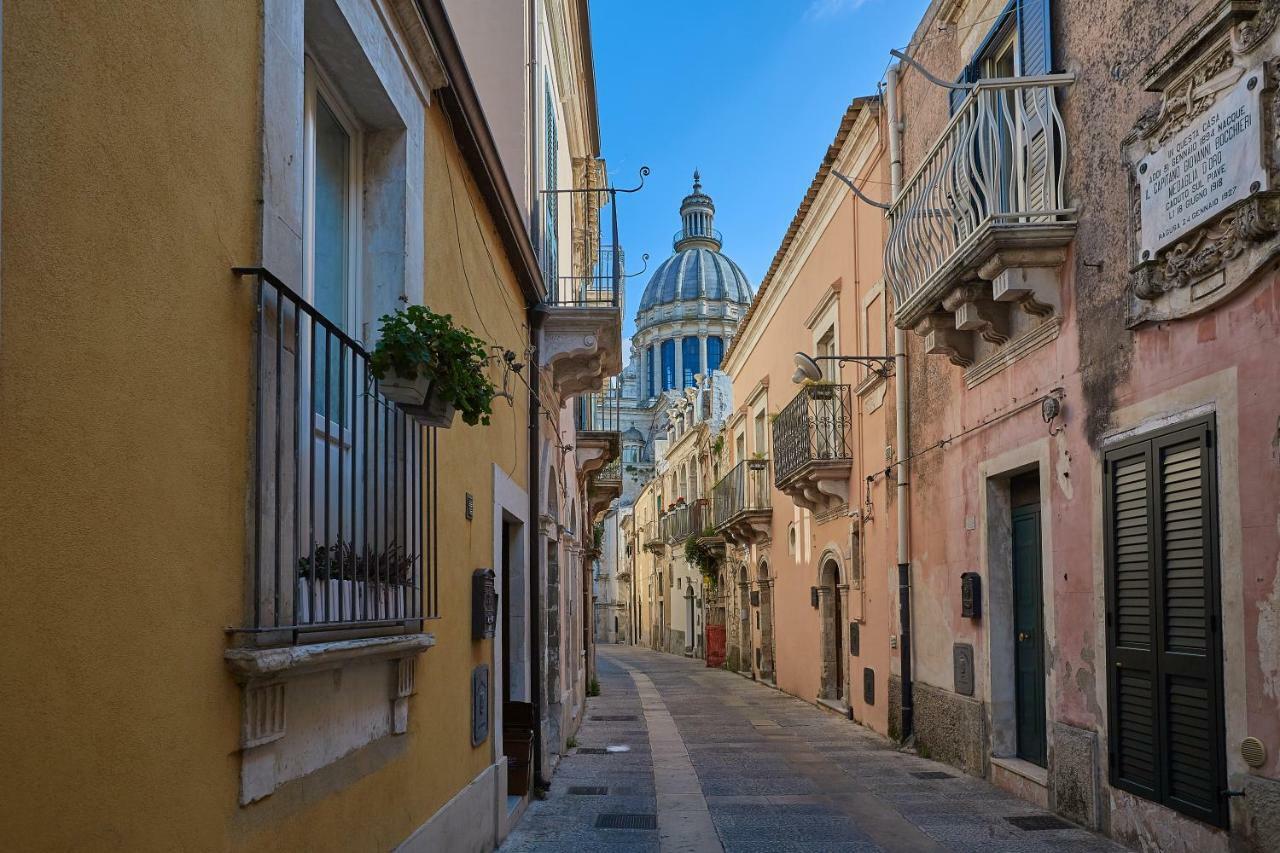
(673, 527)
(651, 538)
(812, 454)
(604, 485)
(598, 441)
(980, 230)
(582, 314)
(742, 502)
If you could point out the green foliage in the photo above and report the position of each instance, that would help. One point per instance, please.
(341, 561)
(571, 743)
(593, 689)
(700, 557)
(717, 446)
(416, 341)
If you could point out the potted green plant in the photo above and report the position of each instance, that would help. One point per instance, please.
(432, 368)
(340, 579)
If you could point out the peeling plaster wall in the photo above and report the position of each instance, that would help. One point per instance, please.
(1112, 378)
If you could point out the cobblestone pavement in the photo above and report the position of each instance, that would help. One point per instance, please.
(715, 761)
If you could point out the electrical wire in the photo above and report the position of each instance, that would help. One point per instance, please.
(943, 442)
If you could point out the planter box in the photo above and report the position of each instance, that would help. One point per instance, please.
(433, 412)
(415, 399)
(341, 600)
(404, 392)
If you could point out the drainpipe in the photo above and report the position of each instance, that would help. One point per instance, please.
(535, 543)
(901, 440)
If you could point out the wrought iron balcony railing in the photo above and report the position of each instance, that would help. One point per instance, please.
(701, 517)
(675, 525)
(596, 275)
(600, 411)
(651, 537)
(341, 485)
(812, 428)
(742, 501)
(993, 179)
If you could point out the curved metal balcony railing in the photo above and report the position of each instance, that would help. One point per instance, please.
(999, 164)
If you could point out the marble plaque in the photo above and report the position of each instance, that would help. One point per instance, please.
(1204, 168)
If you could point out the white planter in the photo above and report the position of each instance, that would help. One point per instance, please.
(347, 601)
(405, 392)
(433, 412)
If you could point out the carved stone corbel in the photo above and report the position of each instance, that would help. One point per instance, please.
(942, 338)
(976, 311)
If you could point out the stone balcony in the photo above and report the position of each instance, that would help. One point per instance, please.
(813, 458)
(979, 232)
(743, 510)
(603, 487)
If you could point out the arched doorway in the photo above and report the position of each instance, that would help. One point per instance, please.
(764, 613)
(831, 613)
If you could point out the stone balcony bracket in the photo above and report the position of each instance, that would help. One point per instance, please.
(820, 486)
(581, 346)
(747, 528)
(595, 449)
(941, 337)
(1024, 280)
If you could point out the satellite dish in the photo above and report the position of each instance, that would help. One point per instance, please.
(806, 368)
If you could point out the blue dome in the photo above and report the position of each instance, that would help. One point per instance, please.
(693, 274)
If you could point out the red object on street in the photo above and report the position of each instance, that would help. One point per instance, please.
(715, 645)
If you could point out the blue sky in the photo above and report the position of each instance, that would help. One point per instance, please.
(750, 92)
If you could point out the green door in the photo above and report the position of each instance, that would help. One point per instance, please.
(1028, 627)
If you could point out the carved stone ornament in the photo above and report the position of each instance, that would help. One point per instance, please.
(1203, 165)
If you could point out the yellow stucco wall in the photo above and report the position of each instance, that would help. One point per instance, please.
(132, 173)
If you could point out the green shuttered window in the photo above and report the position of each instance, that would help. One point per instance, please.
(1163, 643)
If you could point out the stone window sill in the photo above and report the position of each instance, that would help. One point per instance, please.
(249, 664)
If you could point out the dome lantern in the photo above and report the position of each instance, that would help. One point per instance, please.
(698, 213)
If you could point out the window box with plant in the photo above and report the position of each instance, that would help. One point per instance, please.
(432, 368)
(339, 583)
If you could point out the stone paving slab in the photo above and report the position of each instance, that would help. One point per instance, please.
(724, 763)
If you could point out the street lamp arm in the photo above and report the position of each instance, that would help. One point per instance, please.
(881, 365)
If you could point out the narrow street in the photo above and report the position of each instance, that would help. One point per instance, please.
(714, 761)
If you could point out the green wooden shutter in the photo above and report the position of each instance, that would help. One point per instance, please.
(1131, 604)
(1166, 713)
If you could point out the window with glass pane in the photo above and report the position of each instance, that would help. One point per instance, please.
(329, 251)
(668, 364)
(689, 362)
(715, 352)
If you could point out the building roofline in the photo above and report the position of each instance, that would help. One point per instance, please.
(829, 158)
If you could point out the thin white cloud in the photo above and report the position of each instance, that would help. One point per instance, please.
(822, 9)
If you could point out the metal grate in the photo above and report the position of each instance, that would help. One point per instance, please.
(588, 790)
(1036, 822)
(627, 821)
(932, 774)
(614, 719)
(592, 750)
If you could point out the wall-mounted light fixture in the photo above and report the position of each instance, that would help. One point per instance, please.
(807, 367)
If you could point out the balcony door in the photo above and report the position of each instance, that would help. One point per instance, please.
(332, 397)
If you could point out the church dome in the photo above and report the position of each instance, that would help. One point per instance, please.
(697, 270)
